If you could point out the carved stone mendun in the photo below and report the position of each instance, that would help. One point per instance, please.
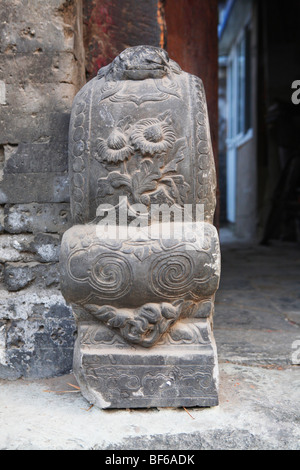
(142, 287)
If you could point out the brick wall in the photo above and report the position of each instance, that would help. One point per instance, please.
(41, 69)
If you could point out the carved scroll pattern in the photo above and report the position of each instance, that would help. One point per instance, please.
(187, 333)
(172, 270)
(110, 274)
(117, 92)
(206, 177)
(77, 150)
(181, 280)
(155, 381)
(174, 276)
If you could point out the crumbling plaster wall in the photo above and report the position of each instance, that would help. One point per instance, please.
(41, 70)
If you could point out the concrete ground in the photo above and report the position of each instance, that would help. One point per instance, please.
(257, 330)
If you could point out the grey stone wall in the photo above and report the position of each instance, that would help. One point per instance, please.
(41, 70)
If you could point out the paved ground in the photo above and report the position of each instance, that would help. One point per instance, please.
(257, 330)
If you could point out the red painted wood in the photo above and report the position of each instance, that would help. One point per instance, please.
(192, 41)
(110, 26)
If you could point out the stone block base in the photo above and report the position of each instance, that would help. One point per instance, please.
(113, 374)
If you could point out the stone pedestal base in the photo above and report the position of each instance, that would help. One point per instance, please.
(175, 373)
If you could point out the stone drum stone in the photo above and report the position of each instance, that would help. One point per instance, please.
(141, 264)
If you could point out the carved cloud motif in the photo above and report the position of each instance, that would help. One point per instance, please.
(144, 326)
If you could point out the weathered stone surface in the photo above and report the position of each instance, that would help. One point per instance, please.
(22, 218)
(1, 219)
(28, 303)
(114, 374)
(56, 67)
(33, 98)
(14, 127)
(44, 248)
(15, 248)
(22, 33)
(41, 69)
(37, 329)
(38, 347)
(17, 276)
(34, 187)
(43, 157)
(139, 133)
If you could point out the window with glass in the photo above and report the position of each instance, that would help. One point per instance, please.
(239, 86)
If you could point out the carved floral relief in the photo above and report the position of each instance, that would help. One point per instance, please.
(146, 144)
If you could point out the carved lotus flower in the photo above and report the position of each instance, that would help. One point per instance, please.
(152, 136)
(115, 149)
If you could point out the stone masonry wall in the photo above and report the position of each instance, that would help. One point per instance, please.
(41, 70)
